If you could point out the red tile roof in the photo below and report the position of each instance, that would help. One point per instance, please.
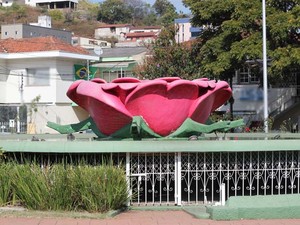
(141, 34)
(146, 28)
(114, 25)
(38, 44)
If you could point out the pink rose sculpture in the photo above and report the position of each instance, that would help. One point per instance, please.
(163, 103)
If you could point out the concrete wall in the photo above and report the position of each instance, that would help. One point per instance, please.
(17, 31)
(111, 32)
(12, 93)
(59, 113)
(248, 100)
(12, 31)
(54, 104)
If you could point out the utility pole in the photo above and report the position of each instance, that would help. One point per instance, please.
(265, 71)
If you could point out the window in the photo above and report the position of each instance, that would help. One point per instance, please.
(5, 33)
(38, 77)
(246, 77)
(92, 42)
(109, 75)
(121, 74)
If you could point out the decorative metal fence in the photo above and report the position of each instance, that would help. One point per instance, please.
(6, 127)
(193, 178)
(152, 178)
(197, 178)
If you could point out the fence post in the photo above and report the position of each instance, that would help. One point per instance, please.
(128, 177)
(223, 194)
(178, 179)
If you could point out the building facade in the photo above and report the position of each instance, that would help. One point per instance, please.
(57, 4)
(35, 76)
(17, 31)
(185, 31)
(112, 30)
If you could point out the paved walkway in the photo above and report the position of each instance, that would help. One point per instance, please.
(142, 218)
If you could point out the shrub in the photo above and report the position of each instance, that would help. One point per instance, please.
(65, 187)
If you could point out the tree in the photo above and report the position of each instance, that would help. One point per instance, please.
(166, 12)
(138, 10)
(87, 10)
(162, 6)
(150, 19)
(233, 34)
(169, 59)
(114, 11)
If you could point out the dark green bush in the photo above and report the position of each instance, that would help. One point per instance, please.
(64, 187)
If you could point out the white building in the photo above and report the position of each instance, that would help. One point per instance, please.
(89, 43)
(185, 30)
(56, 4)
(112, 30)
(43, 21)
(6, 3)
(42, 67)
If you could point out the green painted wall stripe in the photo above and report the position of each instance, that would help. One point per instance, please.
(257, 207)
(116, 59)
(149, 146)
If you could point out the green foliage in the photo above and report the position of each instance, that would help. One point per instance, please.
(19, 14)
(233, 34)
(56, 14)
(33, 107)
(166, 12)
(137, 12)
(163, 6)
(170, 59)
(63, 187)
(6, 193)
(150, 19)
(114, 11)
(31, 186)
(87, 10)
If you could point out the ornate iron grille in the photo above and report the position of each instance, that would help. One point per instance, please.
(243, 173)
(196, 178)
(152, 178)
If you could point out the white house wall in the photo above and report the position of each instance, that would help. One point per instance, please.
(34, 2)
(61, 114)
(107, 32)
(13, 91)
(64, 78)
(183, 34)
(103, 32)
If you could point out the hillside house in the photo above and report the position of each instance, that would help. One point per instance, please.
(140, 38)
(185, 30)
(112, 30)
(17, 31)
(119, 62)
(56, 4)
(90, 43)
(141, 29)
(44, 67)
